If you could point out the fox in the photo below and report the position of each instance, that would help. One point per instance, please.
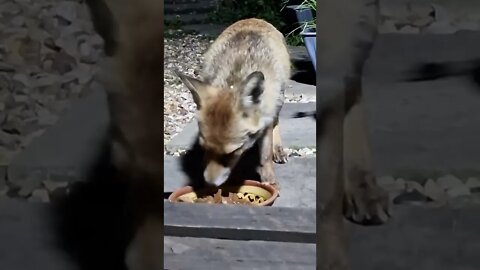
(239, 98)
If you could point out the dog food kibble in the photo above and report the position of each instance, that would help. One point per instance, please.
(233, 198)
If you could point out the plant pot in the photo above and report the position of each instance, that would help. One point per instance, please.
(303, 14)
(309, 36)
(268, 192)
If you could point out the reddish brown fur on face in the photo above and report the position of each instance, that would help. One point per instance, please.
(216, 119)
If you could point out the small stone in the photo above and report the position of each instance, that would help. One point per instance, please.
(13, 125)
(433, 191)
(410, 196)
(47, 80)
(422, 22)
(400, 183)
(67, 10)
(440, 13)
(84, 73)
(388, 26)
(11, 8)
(459, 191)
(472, 183)
(39, 195)
(6, 155)
(28, 186)
(421, 10)
(20, 98)
(412, 185)
(6, 67)
(449, 181)
(18, 20)
(3, 174)
(63, 63)
(24, 79)
(85, 49)
(3, 179)
(45, 118)
(7, 140)
(407, 29)
(58, 193)
(51, 186)
(30, 51)
(386, 181)
(30, 137)
(394, 9)
(440, 28)
(47, 64)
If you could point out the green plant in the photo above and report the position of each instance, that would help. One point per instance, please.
(229, 11)
(294, 40)
(311, 4)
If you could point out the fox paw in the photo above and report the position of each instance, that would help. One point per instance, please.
(267, 175)
(279, 155)
(365, 203)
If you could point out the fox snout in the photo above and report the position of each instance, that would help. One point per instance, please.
(216, 174)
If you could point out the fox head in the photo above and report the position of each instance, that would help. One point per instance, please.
(230, 120)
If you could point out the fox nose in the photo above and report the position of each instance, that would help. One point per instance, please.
(219, 178)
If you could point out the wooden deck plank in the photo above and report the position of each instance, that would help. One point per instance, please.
(207, 254)
(240, 222)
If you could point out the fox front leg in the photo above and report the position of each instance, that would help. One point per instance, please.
(267, 174)
(279, 155)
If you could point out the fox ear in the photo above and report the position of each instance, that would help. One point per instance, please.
(251, 90)
(195, 86)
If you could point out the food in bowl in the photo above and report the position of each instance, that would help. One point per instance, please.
(232, 198)
(250, 193)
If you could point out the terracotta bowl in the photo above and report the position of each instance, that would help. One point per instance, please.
(266, 191)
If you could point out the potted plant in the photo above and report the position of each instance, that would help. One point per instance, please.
(303, 12)
(306, 30)
(309, 32)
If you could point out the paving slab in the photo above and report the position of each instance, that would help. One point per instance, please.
(422, 129)
(206, 254)
(67, 148)
(297, 180)
(419, 238)
(235, 222)
(296, 132)
(27, 240)
(297, 88)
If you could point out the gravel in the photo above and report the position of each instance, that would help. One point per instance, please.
(183, 52)
(48, 59)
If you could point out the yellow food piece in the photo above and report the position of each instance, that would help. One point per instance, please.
(233, 198)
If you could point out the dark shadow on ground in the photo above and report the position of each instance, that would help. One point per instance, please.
(91, 220)
(304, 72)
